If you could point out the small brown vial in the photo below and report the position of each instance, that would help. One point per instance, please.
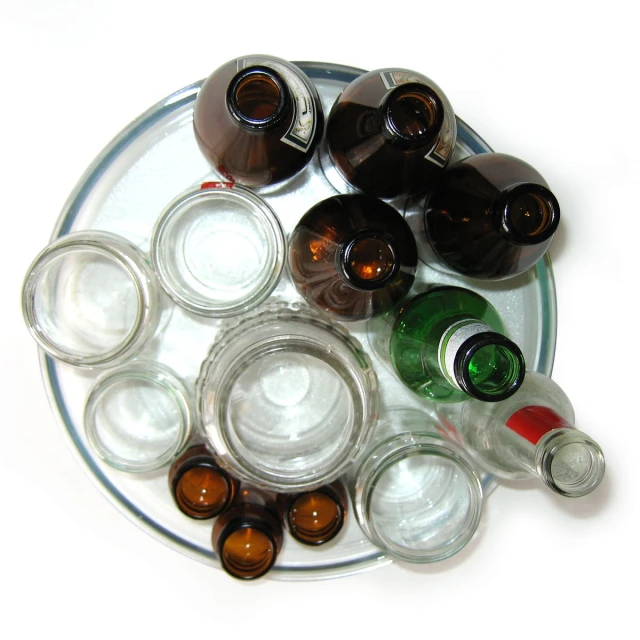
(352, 256)
(490, 216)
(391, 132)
(248, 536)
(315, 517)
(200, 488)
(258, 120)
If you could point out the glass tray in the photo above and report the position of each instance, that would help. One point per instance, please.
(124, 191)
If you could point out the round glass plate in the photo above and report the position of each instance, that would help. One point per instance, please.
(124, 191)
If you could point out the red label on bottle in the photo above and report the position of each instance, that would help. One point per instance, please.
(217, 185)
(532, 423)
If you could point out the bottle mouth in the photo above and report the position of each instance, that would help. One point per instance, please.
(529, 214)
(257, 96)
(412, 115)
(369, 260)
(490, 367)
(570, 462)
(315, 517)
(202, 490)
(247, 549)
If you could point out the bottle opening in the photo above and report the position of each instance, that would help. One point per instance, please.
(491, 367)
(315, 518)
(202, 492)
(531, 214)
(257, 96)
(572, 464)
(247, 553)
(414, 113)
(369, 261)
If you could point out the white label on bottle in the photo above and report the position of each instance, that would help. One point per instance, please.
(303, 124)
(441, 151)
(451, 341)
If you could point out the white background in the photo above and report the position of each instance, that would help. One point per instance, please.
(552, 82)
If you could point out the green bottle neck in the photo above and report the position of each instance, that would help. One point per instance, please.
(480, 362)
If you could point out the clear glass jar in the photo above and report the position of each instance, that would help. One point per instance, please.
(218, 251)
(91, 299)
(138, 416)
(415, 492)
(286, 399)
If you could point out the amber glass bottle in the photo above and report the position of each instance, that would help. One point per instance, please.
(315, 517)
(258, 120)
(490, 216)
(352, 256)
(200, 488)
(248, 536)
(391, 132)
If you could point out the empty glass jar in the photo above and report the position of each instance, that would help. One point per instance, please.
(90, 299)
(286, 399)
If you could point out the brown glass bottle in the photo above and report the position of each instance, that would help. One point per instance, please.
(315, 517)
(248, 536)
(490, 216)
(391, 132)
(352, 256)
(258, 120)
(200, 488)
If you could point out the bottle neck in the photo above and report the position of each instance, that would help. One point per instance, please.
(482, 363)
(527, 214)
(567, 460)
(258, 98)
(315, 517)
(368, 260)
(411, 116)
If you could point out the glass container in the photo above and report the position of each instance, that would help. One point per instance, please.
(286, 399)
(218, 251)
(90, 299)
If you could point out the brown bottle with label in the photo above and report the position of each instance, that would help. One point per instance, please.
(258, 120)
(315, 517)
(391, 132)
(248, 536)
(352, 256)
(490, 216)
(200, 487)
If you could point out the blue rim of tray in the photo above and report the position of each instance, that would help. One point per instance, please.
(543, 273)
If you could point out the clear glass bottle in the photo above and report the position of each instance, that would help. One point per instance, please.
(531, 434)
(248, 536)
(315, 517)
(391, 132)
(415, 492)
(447, 344)
(258, 120)
(286, 399)
(352, 256)
(489, 216)
(200, 488)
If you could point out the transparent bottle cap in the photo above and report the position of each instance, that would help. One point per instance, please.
(218, 251)
(138, 417)
(91, 299)
(422, 500)
(287, 399)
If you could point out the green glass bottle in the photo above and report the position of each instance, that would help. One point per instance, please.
(447, 344)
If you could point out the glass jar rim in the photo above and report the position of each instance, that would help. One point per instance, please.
(131, 260)
(256, 210)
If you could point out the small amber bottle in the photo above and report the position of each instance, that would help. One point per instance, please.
(258, 120)
(352, 256)
(200, 487)
(489, 216)
(315, 517)
(248, 536)
(391, 132)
